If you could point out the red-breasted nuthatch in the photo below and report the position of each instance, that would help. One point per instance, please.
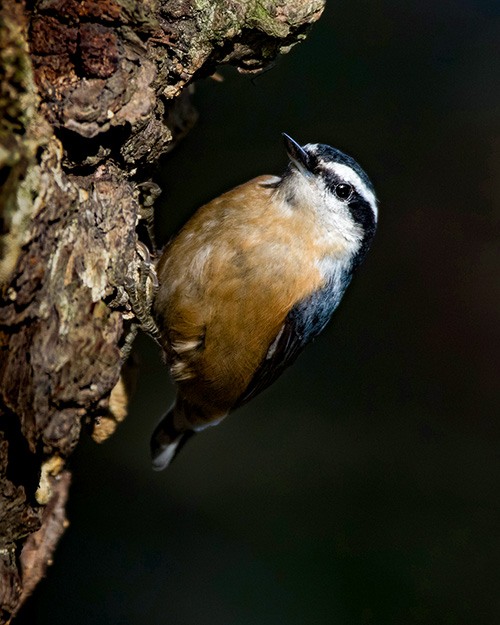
(251, 278)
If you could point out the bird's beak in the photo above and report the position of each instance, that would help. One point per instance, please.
(299, 157)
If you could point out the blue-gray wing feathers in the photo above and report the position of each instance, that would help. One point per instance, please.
(303, 323)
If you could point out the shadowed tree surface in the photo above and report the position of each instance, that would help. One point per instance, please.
(91, 94)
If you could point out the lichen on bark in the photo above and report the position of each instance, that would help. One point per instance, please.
(92, 93)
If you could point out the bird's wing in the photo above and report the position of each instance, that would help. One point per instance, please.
(302, 324)
(281, 354)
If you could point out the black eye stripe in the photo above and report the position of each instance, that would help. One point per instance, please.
(333, 181)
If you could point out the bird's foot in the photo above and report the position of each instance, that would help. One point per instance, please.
(141, 293)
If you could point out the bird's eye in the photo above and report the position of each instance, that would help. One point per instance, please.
(343, 191)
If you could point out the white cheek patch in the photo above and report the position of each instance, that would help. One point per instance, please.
(350, 176)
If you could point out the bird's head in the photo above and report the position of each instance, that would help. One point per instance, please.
(335, 187)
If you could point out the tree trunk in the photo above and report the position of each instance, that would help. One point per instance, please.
(92, 93)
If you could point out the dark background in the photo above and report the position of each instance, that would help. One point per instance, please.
(364, 486)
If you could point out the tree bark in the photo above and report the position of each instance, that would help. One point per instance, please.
(92, 93)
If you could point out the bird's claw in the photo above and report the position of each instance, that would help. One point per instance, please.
(141, 294)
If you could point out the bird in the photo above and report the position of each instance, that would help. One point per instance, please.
(251, 279)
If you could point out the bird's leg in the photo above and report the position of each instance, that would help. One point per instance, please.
(141, 294)
(141, 289)
(129, 341)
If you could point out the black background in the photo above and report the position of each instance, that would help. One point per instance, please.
(363, 487)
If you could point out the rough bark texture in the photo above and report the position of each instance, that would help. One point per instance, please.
(92, 93)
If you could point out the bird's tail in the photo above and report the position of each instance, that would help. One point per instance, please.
(168, 440)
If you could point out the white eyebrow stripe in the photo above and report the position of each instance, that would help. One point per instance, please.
(349, 175)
